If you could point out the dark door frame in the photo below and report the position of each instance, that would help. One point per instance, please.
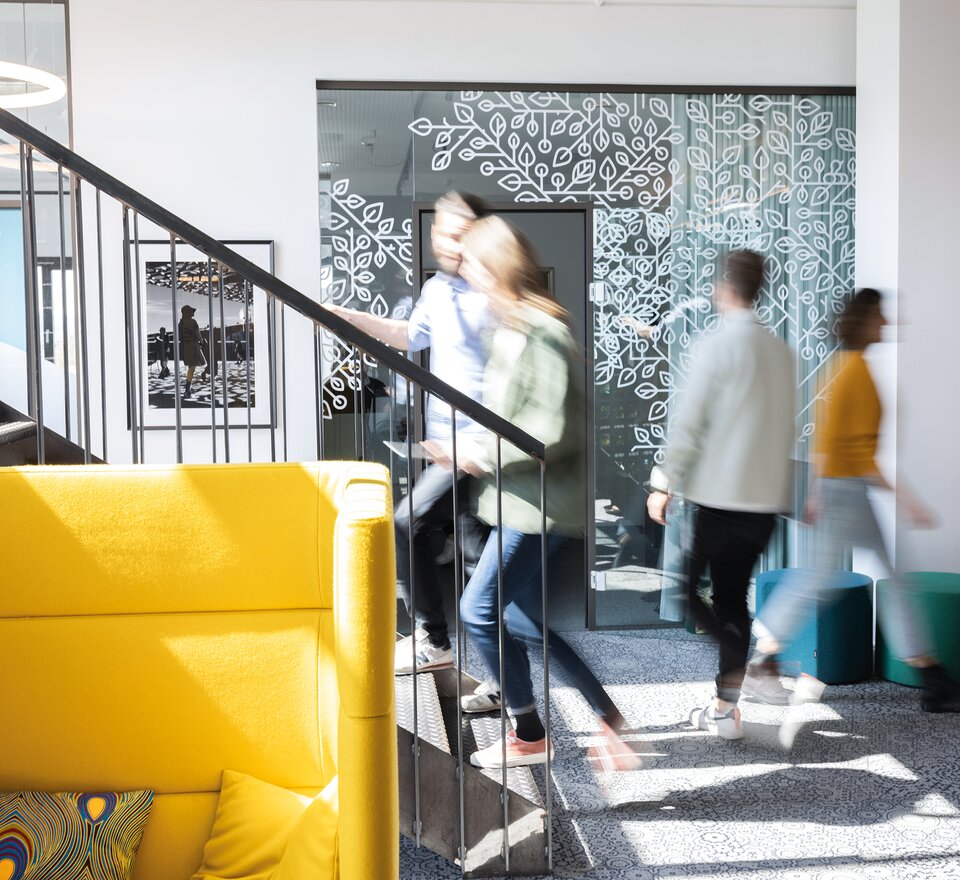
(589, 434)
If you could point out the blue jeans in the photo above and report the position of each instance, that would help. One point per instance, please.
(523, 623)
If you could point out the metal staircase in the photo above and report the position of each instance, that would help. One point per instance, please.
(18, 442)
(88, 355)
(443, 757)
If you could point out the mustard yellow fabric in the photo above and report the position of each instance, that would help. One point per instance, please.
(162, 624)
(251, 830)
(848, 419)
(176, 833)
(312, 846)
(175, 694)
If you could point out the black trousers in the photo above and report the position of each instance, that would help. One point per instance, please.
(432, 509)
(730, 542)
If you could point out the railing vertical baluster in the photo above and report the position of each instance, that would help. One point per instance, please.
(283, 374)
(103, 340)
(272, 378)
(144, 364)
(79, 274)
(458, 629)
(505, 793)
(211, 360)
(354, 383)
(546, 661)
(224, 367)
(132, 396)
(321, 434)
(413, 624)
(247, 296)
(34, 300)
(63, 304)
(362, 381)
(318, 387)
(176, 346)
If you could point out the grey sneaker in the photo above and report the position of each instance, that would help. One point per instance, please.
(485, 698)
(762, 684)
(726, 725)
(429, 658)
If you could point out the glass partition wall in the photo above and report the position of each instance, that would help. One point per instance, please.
(673, 181)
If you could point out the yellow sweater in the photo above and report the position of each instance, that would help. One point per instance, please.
(848, 419)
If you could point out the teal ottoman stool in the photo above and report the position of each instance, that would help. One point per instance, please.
(836, 645)
(938, 595)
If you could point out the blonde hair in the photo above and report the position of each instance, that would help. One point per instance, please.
(465, 205)
(506, 253)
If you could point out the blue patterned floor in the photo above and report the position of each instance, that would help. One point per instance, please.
(870, 790)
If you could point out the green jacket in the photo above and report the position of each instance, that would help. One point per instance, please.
(540, 390)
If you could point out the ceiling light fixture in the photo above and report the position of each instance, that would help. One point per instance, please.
(329, 164)
(51, 87)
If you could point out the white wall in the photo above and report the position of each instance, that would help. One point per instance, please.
(878, 222)
(208, 106)
(929, 357)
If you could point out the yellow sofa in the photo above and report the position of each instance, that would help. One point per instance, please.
(162, 624)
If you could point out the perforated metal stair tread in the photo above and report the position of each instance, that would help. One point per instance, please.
(481, 731)
(430, 726)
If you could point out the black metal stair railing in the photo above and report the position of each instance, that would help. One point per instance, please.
(91, 229)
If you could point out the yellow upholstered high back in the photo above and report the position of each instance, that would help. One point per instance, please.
(160, 625)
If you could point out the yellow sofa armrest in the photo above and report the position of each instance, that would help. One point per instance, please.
(365, 610)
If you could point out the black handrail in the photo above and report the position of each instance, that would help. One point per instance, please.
(259, 277)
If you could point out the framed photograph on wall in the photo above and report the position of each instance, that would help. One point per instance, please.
(237, 323)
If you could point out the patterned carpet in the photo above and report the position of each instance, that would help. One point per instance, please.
(870, 790)
(160, 392)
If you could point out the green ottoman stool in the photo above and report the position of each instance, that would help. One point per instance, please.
(836, 645)
(938, 595)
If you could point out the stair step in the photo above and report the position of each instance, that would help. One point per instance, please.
(430, 726)
(481, 731)
(11, 432)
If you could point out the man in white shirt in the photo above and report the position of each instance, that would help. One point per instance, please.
(729, 453)
(453, 321)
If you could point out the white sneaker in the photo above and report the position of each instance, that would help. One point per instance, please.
(726, 725)
(520, 753)
(807, 690)
(429, 658)
(485, 698)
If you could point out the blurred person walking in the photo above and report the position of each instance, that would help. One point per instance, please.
(845, 468)
(450, 318)
(729, 454)
(534, 379)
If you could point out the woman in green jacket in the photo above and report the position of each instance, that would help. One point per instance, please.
(534, 379)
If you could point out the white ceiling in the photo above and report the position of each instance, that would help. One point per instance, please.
(798, 4)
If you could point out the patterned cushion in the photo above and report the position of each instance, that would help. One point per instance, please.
(71, 835)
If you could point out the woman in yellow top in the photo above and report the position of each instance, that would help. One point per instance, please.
(848, 426)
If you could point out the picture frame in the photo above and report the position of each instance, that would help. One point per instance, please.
(160, 319)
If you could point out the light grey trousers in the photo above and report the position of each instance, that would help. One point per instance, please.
(846, 520)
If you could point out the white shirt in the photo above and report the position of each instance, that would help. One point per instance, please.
(735, 429)
(454, 322)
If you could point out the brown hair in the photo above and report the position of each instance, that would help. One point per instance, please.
(506, 253)
(744, 272)
(852, 323)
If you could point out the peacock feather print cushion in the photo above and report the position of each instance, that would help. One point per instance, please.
(71, 835)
